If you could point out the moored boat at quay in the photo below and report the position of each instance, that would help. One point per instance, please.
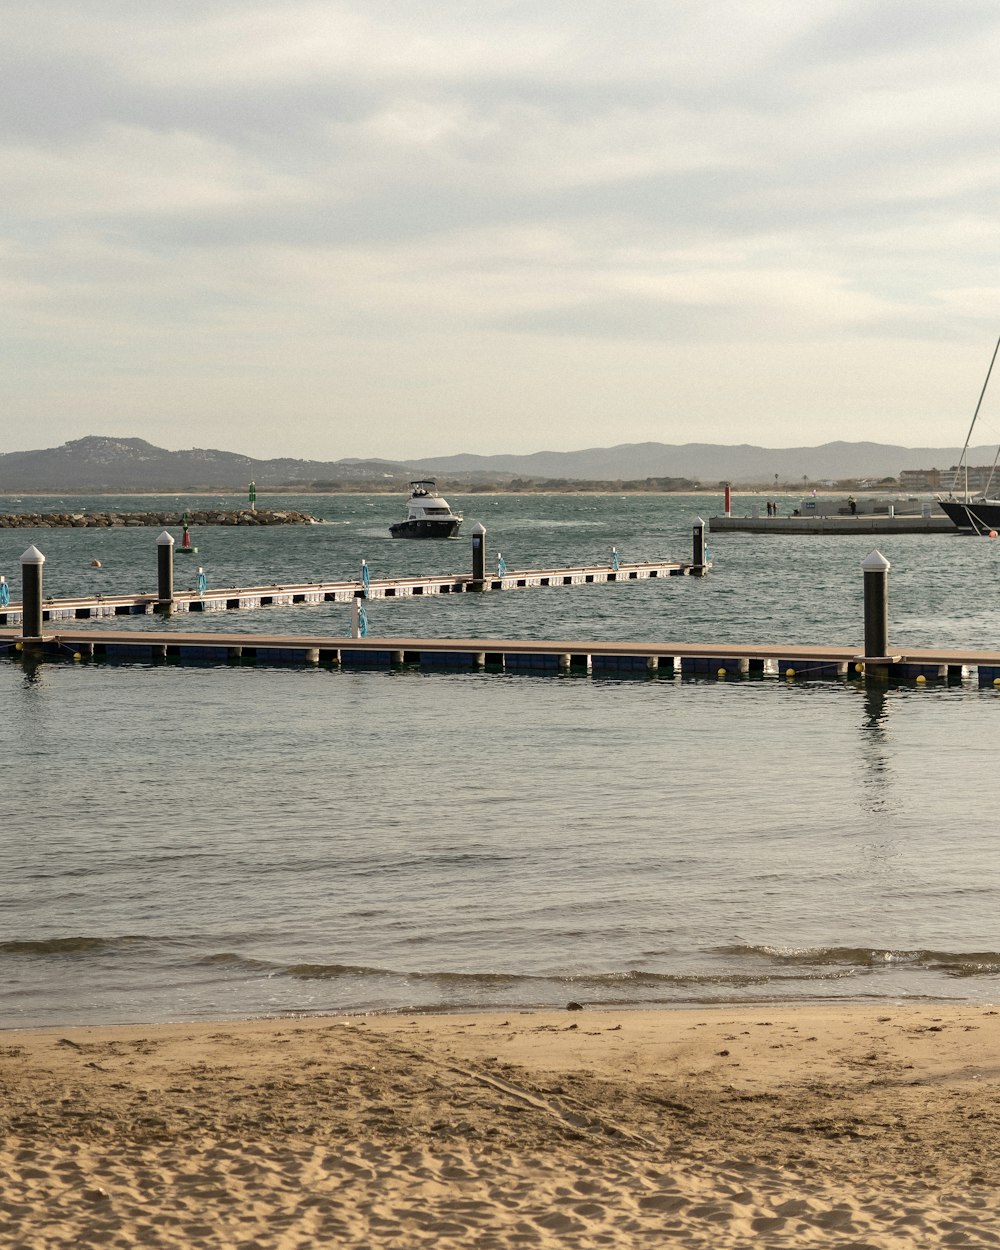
(975, 514)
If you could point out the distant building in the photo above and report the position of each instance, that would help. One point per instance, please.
(949, 479)
(921, 479)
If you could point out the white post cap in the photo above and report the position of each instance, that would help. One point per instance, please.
(32, 556)
(875, 562)
(699, 521)
(479, 528)
(165, 540)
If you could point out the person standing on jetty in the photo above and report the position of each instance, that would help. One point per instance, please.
(852, 503)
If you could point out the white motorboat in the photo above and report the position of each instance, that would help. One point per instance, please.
(427, 514)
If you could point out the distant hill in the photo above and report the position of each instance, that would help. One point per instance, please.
(99, 464)
(712, 463)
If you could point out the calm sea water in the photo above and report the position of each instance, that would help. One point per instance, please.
(184, 842)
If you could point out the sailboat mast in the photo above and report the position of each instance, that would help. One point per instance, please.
(964, 462)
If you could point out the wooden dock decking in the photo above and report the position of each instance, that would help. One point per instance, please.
(98, 607)
(511, 655)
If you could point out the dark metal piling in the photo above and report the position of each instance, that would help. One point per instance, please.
(31, 593)
(165, 573)
(698, 561)
(876, 571)
(478, 557)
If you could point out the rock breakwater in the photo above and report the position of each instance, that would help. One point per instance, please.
(112, 520)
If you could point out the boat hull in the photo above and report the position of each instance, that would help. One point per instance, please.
(447, 527)
(974, 516)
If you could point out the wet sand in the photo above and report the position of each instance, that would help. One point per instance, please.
(828, 1126)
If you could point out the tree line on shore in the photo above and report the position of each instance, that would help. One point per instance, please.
(574, 486)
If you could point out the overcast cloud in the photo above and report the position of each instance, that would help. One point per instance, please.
(417, 228)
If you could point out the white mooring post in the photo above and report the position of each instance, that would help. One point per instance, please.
(876, 571)
(31, 593)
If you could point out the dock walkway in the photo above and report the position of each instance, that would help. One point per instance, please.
(511, 655)
(97, 607)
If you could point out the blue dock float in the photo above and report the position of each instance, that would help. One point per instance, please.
(530, 662)
(811, 670)
(448, 659)
(281, 655)
(639, 665)
(117, 651)
(352, 657)
(528, 657)
(736, 666)
(203, 653)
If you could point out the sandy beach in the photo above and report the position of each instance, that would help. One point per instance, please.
(772, 1126)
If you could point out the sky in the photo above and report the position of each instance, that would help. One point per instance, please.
(408, 228)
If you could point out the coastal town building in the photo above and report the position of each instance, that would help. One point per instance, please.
(946, 479)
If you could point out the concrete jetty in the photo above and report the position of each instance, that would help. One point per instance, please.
(860, 525)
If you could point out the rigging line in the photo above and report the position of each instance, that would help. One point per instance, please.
(974, 521)
(993, 469)
(965, 450)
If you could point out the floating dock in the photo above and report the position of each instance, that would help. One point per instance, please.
(612, 659)
(98, 607)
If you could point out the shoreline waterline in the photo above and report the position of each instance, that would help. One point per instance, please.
(860, 1005)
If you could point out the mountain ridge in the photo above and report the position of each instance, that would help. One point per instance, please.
(714, 462)
(102, 463)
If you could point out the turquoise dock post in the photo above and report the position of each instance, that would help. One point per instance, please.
(359, 618)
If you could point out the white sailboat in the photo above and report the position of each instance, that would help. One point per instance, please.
(978, 513)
